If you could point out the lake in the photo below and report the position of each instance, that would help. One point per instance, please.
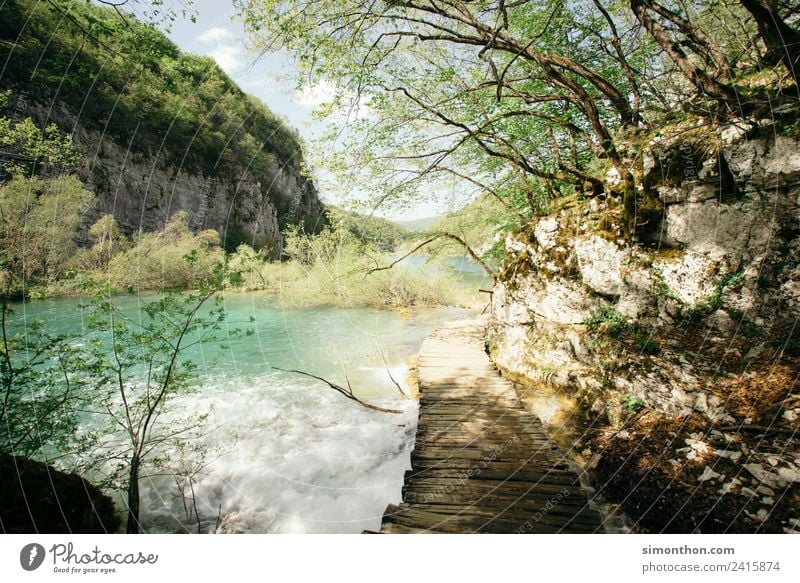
(287, 453)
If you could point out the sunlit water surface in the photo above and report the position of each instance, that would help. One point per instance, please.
(287, 453)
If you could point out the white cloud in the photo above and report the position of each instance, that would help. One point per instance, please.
(223, 46)
(324, 93)
(312, 96)
(228, 57)
(215, 35)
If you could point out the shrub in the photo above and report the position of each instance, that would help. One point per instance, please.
(607, 320)
(174, 258)
(632, 404)
(647, 344)
(335, 267)
(40, 219)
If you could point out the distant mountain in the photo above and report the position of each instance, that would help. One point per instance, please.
(382, 233)
(417, 225)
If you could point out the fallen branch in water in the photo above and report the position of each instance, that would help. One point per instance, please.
(436, 237)
(347, 392)
(388, 372)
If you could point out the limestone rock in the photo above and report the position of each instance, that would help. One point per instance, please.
(600, 262)
(721, 322)
(708, 474)
(545, 233)
(143, 192)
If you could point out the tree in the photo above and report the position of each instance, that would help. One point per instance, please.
(39, 220)
(157, 260)
(107, 240)
(137, 366)
(782, 41)
(161, 12)
(38, 400)
(42, 205)
(25, 149)
(507, 97)
(449, 85)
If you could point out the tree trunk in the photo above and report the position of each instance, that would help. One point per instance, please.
(782, 41)
(698, 76)
(133, 496)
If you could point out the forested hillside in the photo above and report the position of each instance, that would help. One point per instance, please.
(161, 131)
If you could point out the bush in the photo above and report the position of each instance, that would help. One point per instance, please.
(40, 219)
(607, 320)
(334, 267)
(632, 404)
(647, 344)
(174, 258)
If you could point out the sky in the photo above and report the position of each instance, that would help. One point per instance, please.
(218, 34)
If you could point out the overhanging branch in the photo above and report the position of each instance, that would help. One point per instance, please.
(436, 237)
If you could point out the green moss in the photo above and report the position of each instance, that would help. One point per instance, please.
(632, 404)
(647, 344)
(607, 320)
(736, 314)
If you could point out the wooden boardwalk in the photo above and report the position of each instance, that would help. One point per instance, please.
(481, 462)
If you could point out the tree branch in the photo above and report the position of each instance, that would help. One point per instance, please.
(346, 392)
(436, 237)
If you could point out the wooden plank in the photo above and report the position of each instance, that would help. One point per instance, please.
(496, 516)
(481, 461)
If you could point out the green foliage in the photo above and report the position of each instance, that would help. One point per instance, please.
(40, 219)
(120, 380)
(789, 347)
(173, 258)
(371, 230)
(483, 224)
(335, 268)
(632, 404)
(130, 82)
(528, 101)
(791, 129)
(159, 12)
(736, 314)
(664, 292)
(107, 240)
(607, 320)
(38, 401)
(29, 150)
(136, 368)
(705, 307)
(647, 344)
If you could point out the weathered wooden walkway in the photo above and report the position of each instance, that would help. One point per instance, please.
(481, 462)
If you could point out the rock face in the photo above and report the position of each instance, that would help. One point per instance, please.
(161, 131)
(600, 262)
(689, 321)
(143, 191)
(37, 498)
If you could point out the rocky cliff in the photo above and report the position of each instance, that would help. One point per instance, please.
(143, 191)
(672, 359)
(161, 131)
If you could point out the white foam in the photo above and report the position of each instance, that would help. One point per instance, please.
(298, 457)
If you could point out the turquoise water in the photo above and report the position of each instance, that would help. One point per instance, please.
(469, 273)
(289, 453)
